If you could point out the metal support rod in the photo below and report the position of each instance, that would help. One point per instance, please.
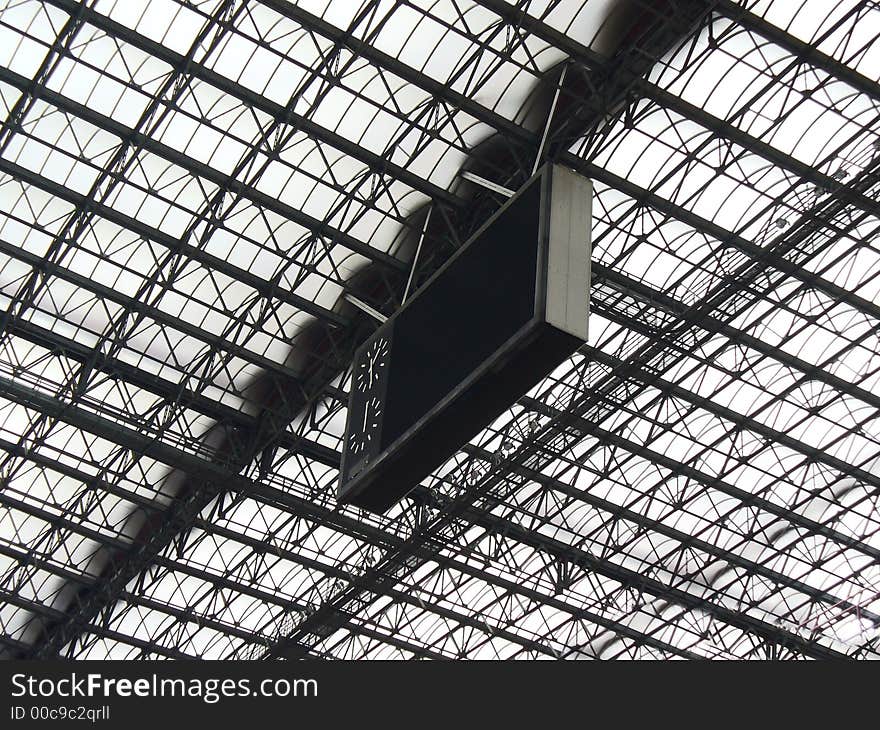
(549, 119)
(494, 187)
(364, 307)
(412, 269)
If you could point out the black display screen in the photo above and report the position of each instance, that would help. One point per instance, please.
(472, 307)
(474, 338)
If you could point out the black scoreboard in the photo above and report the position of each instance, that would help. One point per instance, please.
(499, 316)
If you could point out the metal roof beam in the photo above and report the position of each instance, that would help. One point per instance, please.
(210, 471)
(516, 532)
(135, 600)
(254, 544)
(632, 578)
(713, 325)
(16, 647)
(495, 525)
(267, 289)
(330, 457)
(376, 163)
(219, 581)
(516, 17)
(130, 304)
(188, 615)
(724, 236)
(588, 428)
(169, 391)
(596, 172)
(786, 515)
(725, 130)
(795, 46)
(524, 136)
(51, 614)
(744, 622)
(393, 593)
(120, 545)
(142, 601)
(383, 60)
(741, 420)
(685, 540)
(521, 19)
(616, 278)
(396, 642)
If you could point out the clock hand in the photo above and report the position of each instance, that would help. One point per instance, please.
(366, 413)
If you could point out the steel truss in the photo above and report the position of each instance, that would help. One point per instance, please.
(698, 481)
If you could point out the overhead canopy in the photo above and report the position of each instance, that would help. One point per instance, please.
(193, 195)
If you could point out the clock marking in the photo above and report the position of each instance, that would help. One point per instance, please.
(374, 360)
(363, 437)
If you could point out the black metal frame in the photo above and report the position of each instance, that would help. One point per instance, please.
(630, 508)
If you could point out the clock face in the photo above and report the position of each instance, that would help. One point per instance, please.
(367, 429)
(375, 359)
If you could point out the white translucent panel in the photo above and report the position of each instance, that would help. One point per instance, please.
(204, 144)
(223, 111)
(341, 15)
(14, 419)
(71, 134)
(165, 21)
(856, 269)
(19, 53)
(853, 41)
(13, 275)
(46, 487)
(9, 97)
(101, 648)
(43, 22)
(52, 164)
(805, 113)
(98, 91)
(104, 272)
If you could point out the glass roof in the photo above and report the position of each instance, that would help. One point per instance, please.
(198, 198)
